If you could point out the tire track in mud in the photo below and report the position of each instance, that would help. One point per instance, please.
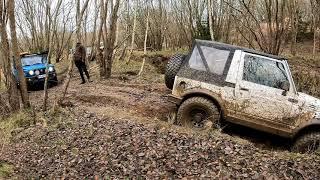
(141, 100)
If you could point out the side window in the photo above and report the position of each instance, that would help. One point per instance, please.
(216, 59)
(264, 71)
(195, 61)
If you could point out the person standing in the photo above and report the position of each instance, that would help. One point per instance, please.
(79, 58)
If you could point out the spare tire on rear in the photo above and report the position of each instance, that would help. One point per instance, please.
(172, 69)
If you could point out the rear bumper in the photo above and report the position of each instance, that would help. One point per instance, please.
(174, 99)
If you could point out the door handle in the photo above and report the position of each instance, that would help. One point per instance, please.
(292, 100)
(244, 89)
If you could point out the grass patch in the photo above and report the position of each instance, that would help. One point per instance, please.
(150, 73)
(304, 62)
(7, 125)
(307, 83)
(2, 87)
(306, 74)
(5, 170)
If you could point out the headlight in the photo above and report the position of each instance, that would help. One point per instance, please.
(31, 72)
(317, 115)
(51, 69)
(37, 72)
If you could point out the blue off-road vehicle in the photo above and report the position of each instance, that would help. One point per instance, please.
(34, 68)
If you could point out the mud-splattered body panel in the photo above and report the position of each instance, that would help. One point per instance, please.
(252, 89)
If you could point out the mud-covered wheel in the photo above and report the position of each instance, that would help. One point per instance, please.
(172, 69)
(198, 113)
(307, 143)
(54, 82)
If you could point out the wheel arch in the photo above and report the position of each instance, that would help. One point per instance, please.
(311, 127)
(214, 97)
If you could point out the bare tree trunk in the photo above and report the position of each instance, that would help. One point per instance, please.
(116, 41)
(78, 28)
(84, 29)
(69, 74)
(101, 59)
(79, 16)
(59, 101)
(145, 44)
(1, 71)
(293, 48)
(93, 42)
(210, 19)
(110, 39)
(314, 35)
(53, 27)
(15, 49)
(124, 50)
(133, 35)
(11, 81)
(45, 96)
(294, 25)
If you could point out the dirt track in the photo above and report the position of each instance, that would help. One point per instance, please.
(117, 98)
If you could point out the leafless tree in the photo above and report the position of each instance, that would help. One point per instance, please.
(80, 13)
(133, 32)
(16, 56)
(293, 11)
(315, 8)
(51, 33)
(110, 37)
(261, 23)
(145, 40)
(11, 82)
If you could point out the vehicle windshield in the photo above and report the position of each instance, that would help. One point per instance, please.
(32, 60)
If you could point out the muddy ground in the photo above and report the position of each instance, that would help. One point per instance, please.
(120, 128)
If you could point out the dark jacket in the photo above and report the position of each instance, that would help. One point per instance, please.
(80, 54)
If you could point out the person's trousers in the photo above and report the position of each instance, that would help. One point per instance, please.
(82, 68)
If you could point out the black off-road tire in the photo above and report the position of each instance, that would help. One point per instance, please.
(185, 118)
(307, 143)
(54, 82)
(173, 66)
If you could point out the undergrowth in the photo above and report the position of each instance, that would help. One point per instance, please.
(5, 170)
(2, 87)
(7, 125)
(306, 74)
(150, 72)
(307, 83)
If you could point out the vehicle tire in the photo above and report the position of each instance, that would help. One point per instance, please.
(198, 113)
(307, 143)
(54, 82)
(173, 66)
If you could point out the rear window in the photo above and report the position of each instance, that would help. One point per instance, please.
(195, 61)
(215, 58)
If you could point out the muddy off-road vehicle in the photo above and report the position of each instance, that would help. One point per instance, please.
(218, 81)
(34, 68)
